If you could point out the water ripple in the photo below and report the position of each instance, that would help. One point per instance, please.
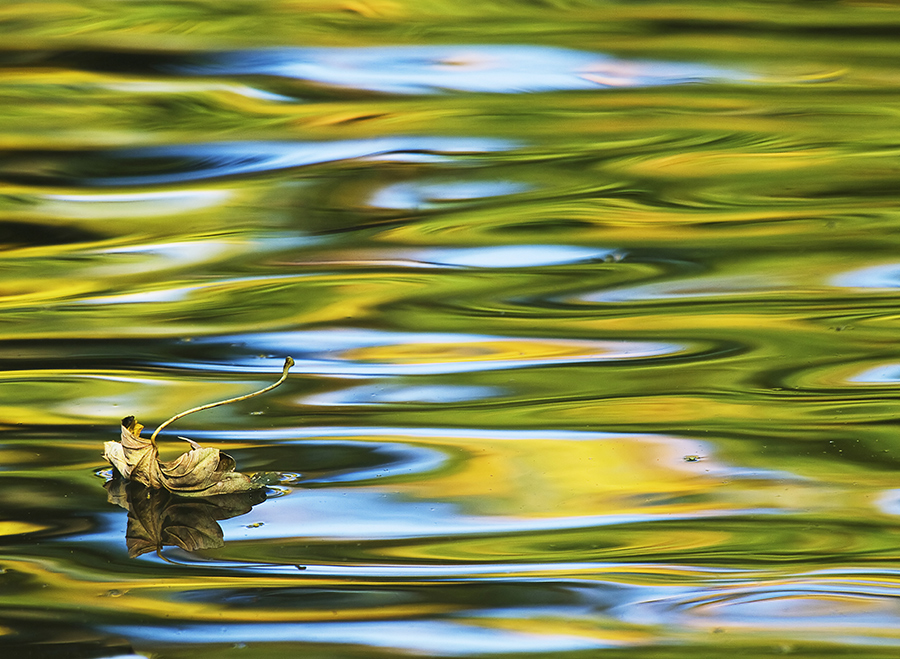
(370, 352)
(430, 637)
(393, 393)
(498, 256)
(513, 256)
(498, 69)
(802, 606)
(162, 165)
(848, 376)
(568, 369)
(333, 514)
(133, 204)
(422, 194)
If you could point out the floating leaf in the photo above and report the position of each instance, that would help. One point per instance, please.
(200, 472)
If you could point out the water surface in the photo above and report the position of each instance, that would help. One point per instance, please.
(593, 307)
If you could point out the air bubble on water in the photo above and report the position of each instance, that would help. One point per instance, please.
(275, 491)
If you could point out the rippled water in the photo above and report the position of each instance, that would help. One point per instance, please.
(593, 304)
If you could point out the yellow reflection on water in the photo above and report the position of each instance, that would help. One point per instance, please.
(563, 478)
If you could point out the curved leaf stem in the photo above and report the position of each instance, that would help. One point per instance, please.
(287, 365)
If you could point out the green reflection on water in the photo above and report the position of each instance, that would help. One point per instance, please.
(704, 269)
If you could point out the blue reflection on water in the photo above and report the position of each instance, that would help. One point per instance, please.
(416, 195)
(514, 256)
(190, 162)
(499, 69)
(378, 513)
(300, 432)
(375, 394)
(878, 276)
(496, 570)
(331, 352)
(433, 637)
(889, 502)
(884, 374)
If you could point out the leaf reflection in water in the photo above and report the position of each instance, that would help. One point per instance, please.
(157, 518)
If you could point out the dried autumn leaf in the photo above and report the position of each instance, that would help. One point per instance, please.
(200, 472)
(203, 472)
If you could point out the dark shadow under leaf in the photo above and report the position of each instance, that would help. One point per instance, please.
(158, 518)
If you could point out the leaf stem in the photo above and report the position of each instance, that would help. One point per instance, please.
(287, 365)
